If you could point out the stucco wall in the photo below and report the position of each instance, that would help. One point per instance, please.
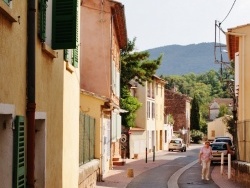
(96, 47)
(13, 57)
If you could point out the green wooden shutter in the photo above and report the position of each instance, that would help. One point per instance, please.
(7, 1)
(19, 179)
(64, 24)
(42, 19)
(66, 54)
(75, 51)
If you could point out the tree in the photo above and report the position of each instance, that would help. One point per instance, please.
(138, 67)
(195, 115)
(224, 111)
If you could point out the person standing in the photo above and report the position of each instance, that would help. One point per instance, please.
(205, 160)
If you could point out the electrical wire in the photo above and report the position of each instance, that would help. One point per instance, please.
(228, 12)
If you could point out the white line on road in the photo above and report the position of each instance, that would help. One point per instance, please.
(172, 182)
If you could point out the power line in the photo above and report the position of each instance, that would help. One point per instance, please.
(229, 11)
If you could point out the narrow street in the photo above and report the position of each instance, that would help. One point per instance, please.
(169, 170)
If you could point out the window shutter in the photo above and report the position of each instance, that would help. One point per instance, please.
(42, 19)
(19, 179)
(113, 125)
(7, 1)
(113, 76)
(119, 126)
(75, 51)
(65, 54)
(64, 24)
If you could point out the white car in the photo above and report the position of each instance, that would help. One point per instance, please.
(177, 144)
(221, 147)
(225, 139)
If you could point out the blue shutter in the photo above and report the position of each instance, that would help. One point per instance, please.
(64, 24)
(19, 179)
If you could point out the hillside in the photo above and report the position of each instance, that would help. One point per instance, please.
(180, 60)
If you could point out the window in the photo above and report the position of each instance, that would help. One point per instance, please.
(148, 109)
(71, 55)
(153, 110)
(64, 18)
(19, 153)
(7, 2)
(63, 25)
(157, 87)
(115, 80)
(213, 133)
(86, 138)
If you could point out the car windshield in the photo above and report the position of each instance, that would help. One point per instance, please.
(175, 141)
(224, 140)
(219, 147)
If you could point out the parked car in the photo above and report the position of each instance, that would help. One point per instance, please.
(177, 144)
(225, 139)
(221, 147)
(222, 137)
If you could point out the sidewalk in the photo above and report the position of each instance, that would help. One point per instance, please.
(118, 177)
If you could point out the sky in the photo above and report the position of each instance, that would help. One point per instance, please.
(157, 23)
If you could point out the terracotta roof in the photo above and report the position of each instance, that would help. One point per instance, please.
(233, 40)
(161, 80)
(120, 23)
(225, 101)
(232, 45)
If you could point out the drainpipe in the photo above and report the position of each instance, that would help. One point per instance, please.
(111, 90)
(31, 105)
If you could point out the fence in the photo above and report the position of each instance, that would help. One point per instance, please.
(86, 138)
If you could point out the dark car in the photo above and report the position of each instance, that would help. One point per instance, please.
(221, 147)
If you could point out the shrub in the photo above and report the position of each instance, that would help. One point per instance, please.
(196, 136)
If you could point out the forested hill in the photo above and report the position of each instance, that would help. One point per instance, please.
(193, 58)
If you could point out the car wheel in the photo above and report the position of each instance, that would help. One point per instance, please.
(169, 150)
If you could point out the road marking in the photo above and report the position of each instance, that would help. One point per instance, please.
(172, 182)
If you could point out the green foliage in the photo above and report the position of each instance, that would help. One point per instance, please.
(229, 121)
(195, 115)
(204, 87)
(131, 104)
(196, 136)
(203, 125)
(134, 66)
(224, 111)
(170, 119)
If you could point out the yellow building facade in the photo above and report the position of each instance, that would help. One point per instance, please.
(238, 43)
(52, 91)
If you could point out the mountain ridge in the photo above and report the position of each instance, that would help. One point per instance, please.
(183, 59)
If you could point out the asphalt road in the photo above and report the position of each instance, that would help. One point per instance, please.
(180, 170)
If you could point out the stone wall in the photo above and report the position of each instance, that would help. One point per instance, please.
(88, 174)
(241, 173)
